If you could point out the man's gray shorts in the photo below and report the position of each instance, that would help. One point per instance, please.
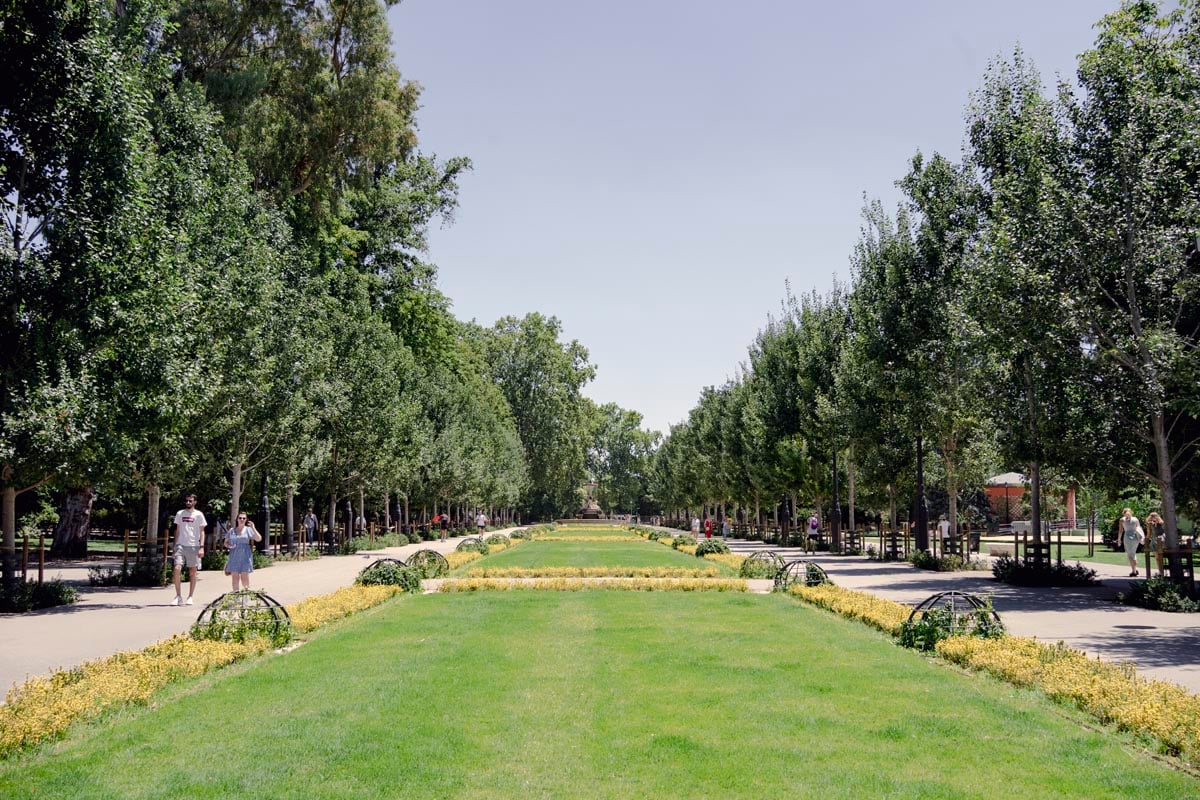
(187, 557)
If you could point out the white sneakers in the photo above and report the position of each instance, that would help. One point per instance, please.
(189, 601)
(178, 601)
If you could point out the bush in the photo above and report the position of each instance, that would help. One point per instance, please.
(32, 596)
(236, 620)
(712, 546)
(758, 568)
(473, 547)
(1160, 594)
(138, 573)
(950, 563)
(683, 539)
(1007, 569)
(496, 539)
(389, 573)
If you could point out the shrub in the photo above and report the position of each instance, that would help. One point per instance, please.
(945, 563)
(522, 534)
(32, 596)
(1009, 570)
(712, 546)
(214, 560)
(472, 547)
(1160, 594)
(496, 539)
(137, 573)
(389, 573)
(683, 539)
(758, 568)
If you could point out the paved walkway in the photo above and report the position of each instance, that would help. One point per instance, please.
(106, 620)
(1163, 645)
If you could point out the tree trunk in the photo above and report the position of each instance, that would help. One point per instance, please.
(74, 524)
(1166, 485)
(153, 495)
(235, 493)
(850, 487)
(332, 520)
(290, 519)
(1035, 499)
(8, 554)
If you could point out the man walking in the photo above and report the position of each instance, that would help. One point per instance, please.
(310, 527)
(481, 522)
(189, 546)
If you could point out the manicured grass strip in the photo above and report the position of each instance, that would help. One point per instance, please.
(593, 572)
(581, 538)
(595, 695)
(631, 553)
(587, 584)
(1113, 693)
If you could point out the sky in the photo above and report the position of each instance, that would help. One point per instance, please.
(655, 173)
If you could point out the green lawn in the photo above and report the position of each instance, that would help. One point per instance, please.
(594, 695)
(635, 553)
(1078, 552)
(591, 530)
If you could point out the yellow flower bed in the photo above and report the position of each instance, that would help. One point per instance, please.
(885, 615)
(593, 572)
(1111, 692)
(316, 611)
(690, 549)
(584, 538)
(460, 557)
(44, 707)
(580, 584)
(728, 559)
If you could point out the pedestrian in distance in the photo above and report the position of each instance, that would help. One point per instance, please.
(814, 533)
(696, 527)
(310, 527)
(1157, 541)
(726, 527)
(189, 547)
(481, 522)
(708, 528)
(241, 552)
(445, 523)
(1132, 535)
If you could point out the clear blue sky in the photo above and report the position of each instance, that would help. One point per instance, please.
(652, 172)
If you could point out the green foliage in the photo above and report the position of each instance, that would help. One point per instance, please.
(711, 546)
(1160, 594)
(923, 559)
(1009, 570)
(239, 616)
(135, 573)
(682, 540)
(28, 596)
(389, 573)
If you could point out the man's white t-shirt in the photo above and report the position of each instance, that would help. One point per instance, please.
(481, 521)
(695, 525)
(944, 528)
(190, 525)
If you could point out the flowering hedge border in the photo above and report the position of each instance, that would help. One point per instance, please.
(884, 615)
(45, 707)
(601, 584)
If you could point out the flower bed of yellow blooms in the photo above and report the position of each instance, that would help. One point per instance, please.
(728, 559)
(584, 584)
(1111, 692)
(592, 572)
(317, 611)
(885, 615)
(460, 557)
(584, 538)
(45, 707)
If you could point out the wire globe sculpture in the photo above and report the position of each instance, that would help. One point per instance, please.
(238, 616)
(800, 573)
(961, 613)
(431, 563)
(763, 564)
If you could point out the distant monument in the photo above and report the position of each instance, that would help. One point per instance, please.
(590, 512)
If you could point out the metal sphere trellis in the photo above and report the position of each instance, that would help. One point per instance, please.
(800, 572)
(431, 563)
(474, 544)
(763, 564)
(960, 612)
(236, 616)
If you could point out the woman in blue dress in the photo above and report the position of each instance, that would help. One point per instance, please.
(241, 559)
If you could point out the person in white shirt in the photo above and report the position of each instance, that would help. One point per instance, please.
(189, 546)
(481, 522)
(943, 529)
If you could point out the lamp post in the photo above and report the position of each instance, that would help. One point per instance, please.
(264, 515)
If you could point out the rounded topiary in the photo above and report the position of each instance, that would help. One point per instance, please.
(683, 540)
(711, 546)
(496, 539)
